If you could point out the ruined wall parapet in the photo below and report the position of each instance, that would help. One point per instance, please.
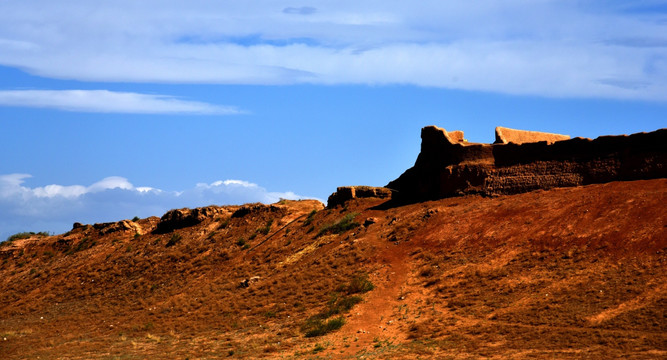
(506, 135)
(345, 193)
(528, 161)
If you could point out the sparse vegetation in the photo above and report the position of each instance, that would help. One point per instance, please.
(341, 305)
(264, 230)
(223, 223)
(457, 289)
(318, 327)
(136, 218)
(344, 224)
(242, 243)
(23, 235)
(320, 323)
(173, 240)
(309, 218)
(358, 285)
(83, 244)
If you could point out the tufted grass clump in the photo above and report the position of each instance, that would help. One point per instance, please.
(358, 285)
(175, 239)
(318, 327)
(338, 304)
(241, 242)
(309, 218)
(24, 235)
(344, 224)
(264, 230)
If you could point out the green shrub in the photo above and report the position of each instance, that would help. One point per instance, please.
(344, 224)
(83, 244)
(242, 243)
(359, 284)
(136, 218)
(264, 230)
(309, 218)
(318, 324)
(345, 304)
(175, 239)
(339, 305)
(223, 223)
(318, 327)
(25, 235)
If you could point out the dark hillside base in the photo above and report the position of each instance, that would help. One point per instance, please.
(566, 273)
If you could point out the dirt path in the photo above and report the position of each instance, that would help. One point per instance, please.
(373, 320)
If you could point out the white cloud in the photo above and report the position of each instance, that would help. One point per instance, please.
(105, 101)
(111, 182)
(55, 207)
(534, 47)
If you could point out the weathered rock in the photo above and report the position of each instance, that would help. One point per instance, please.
(345, 193)
(446, 167)
(247, 282)
(123, 225)
(506, 135)
(180, 218)
(256, 208)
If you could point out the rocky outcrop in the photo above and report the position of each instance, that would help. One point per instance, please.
(506, 135)
(257, 208)
(448, 167)
(108, 228)
(345, 193)
(180, 218)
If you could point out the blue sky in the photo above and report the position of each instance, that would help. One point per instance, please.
(111, 109)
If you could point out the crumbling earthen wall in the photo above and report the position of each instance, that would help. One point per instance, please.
(506, 135)
(345, 193)
(446, 168)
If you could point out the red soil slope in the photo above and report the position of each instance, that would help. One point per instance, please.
(566, 273)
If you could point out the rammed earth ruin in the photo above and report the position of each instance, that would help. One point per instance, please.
(520, 161)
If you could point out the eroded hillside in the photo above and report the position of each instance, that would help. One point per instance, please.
(565, 273)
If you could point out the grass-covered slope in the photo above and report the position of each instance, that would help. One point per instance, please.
(566, 273)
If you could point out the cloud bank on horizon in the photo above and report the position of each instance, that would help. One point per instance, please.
(56, 207)
(551, 48)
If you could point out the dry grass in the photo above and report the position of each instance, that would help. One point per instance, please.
(539, 277)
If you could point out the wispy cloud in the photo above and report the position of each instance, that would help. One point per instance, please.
(56, 207)
(304, 10)
(533, 47)
(104, 101)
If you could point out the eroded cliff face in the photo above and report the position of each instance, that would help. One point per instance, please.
(448, 166)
